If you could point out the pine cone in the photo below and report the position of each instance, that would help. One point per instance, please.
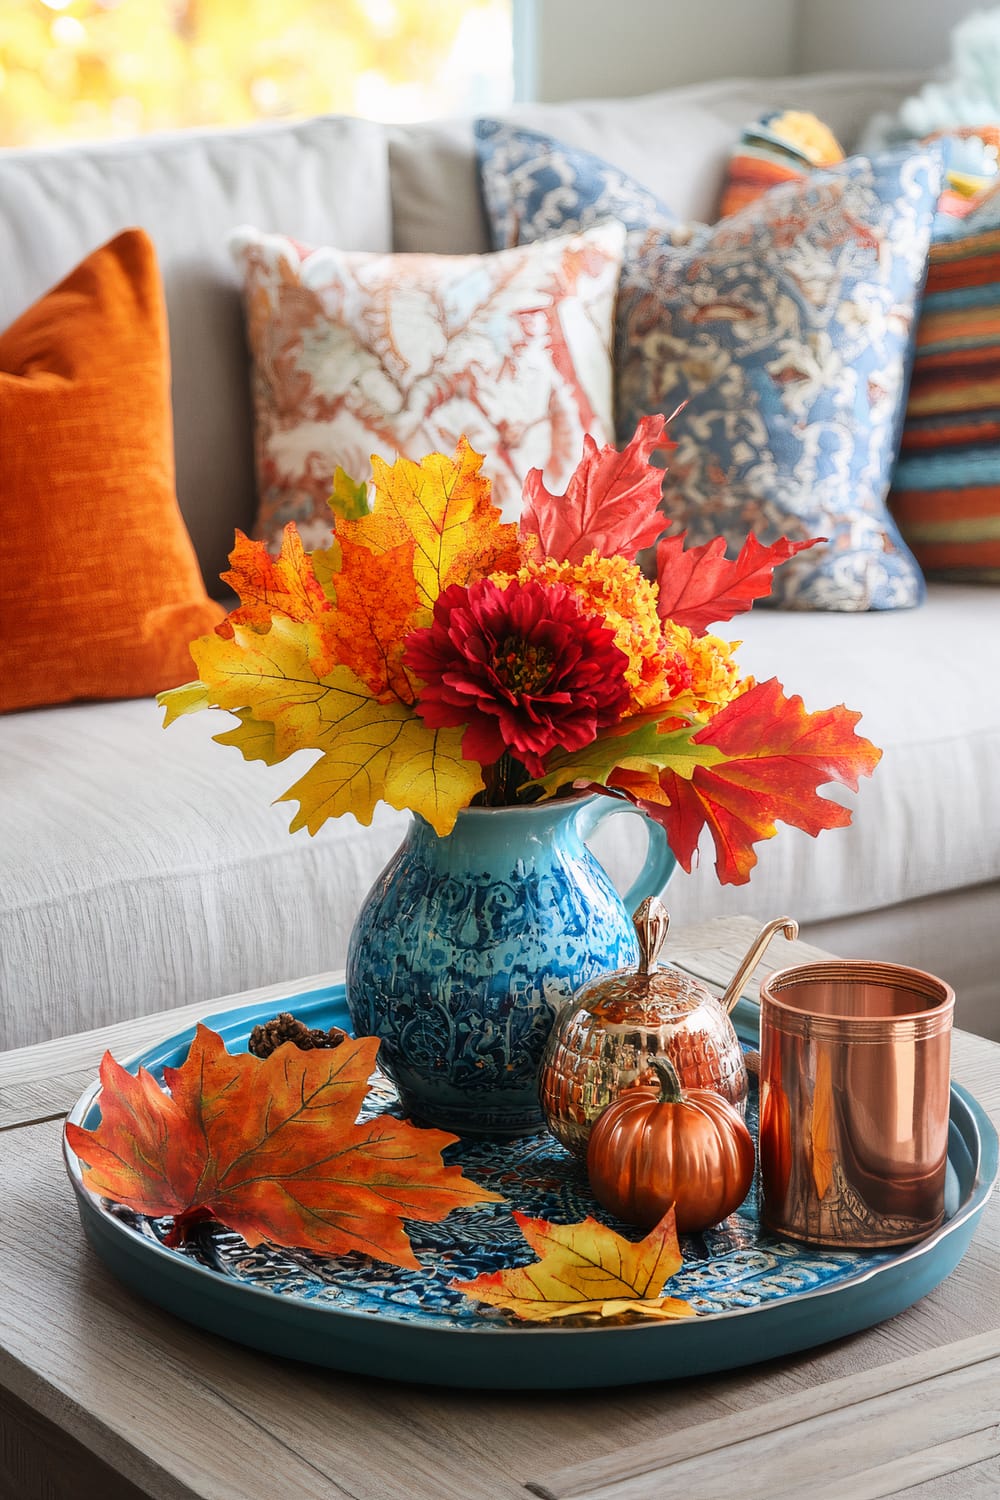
(286, 1028)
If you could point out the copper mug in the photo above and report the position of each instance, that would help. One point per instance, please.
(854, 1102)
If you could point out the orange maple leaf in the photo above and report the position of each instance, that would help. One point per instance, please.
(774, 757)
(611, 504)
(271, 1148)
(377, 607)
(443, 505)
(268, 586)
(699, 586)
(586, 1269)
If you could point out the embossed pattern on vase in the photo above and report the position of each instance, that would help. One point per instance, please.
(460, 963)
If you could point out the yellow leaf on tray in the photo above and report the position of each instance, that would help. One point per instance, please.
(586, 1269)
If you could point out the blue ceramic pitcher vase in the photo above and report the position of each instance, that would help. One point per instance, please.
(468, 945)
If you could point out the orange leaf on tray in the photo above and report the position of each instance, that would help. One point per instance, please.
(271, 1148)
(611, 505)
(771, 756)
(587, 1270)
(701, 585)
(268, 586)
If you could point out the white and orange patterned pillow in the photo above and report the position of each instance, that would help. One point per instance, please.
(355, 354)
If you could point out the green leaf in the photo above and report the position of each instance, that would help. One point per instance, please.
(640, 749)
(349, 497)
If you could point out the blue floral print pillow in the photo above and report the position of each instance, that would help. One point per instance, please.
(532, 184)
(787, 331)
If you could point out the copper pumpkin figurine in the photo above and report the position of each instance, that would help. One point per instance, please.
(606, 1038)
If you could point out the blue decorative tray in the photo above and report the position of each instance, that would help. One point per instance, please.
(756, 1296)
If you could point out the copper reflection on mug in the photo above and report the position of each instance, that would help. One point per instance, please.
(854, 1101)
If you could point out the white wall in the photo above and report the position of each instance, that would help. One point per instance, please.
(877, 33)
(572, 49)
(597, 48)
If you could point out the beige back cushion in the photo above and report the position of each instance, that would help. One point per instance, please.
(324, 180)
(676, 143)
(348, 183)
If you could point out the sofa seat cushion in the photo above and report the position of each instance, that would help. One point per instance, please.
(146, 868)
(928, 820)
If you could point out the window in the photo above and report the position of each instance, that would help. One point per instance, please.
(87, 68)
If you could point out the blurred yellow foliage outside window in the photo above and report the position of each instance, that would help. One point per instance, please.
(73, 69)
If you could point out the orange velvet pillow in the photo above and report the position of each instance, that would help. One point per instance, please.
(100, 590)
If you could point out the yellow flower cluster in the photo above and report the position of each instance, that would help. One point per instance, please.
(666, 663)
(715, 674)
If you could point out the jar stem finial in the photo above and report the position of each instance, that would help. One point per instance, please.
(651, 920)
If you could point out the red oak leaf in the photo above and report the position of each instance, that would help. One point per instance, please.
(268, 586)
(611, 505)
(776, 756)
(270, 1147)
(700, 586)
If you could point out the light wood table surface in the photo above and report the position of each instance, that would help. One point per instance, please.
(105, 1397)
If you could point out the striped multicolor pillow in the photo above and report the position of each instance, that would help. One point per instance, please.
(783, 146)
(945, 492)
(946, 484)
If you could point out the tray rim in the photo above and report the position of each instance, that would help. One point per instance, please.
(985, 1161)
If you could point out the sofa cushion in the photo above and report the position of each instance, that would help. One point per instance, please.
(102, 591)
(945, 494)
(324, 180)
(782, 146)
(144, 868)
(946, 485)
(677, 142)
(359, 354)
(779, 338)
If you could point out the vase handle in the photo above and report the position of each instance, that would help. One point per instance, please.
(660, 861)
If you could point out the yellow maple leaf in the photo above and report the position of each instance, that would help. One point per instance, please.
(586, 1269)
(387, 754)
(270, 675)
(253, 738)
(189, 698)
(372, 751)
(443, 504)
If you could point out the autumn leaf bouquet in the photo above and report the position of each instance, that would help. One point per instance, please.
(437, 658)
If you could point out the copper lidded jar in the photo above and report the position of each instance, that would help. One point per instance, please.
(606, 1038)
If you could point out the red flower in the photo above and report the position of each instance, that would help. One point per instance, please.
(523, 666)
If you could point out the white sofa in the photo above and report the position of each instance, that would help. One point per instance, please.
(143, 868)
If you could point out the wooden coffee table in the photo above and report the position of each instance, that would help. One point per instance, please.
(104, 1395)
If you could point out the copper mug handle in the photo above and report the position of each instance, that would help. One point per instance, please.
(788, 926)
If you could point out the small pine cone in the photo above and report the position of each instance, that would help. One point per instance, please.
(285, 1027)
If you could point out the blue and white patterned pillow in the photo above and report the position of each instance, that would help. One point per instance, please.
(786, 328)
(533, 184)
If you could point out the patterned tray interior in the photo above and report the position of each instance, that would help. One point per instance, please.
(727, 1269)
